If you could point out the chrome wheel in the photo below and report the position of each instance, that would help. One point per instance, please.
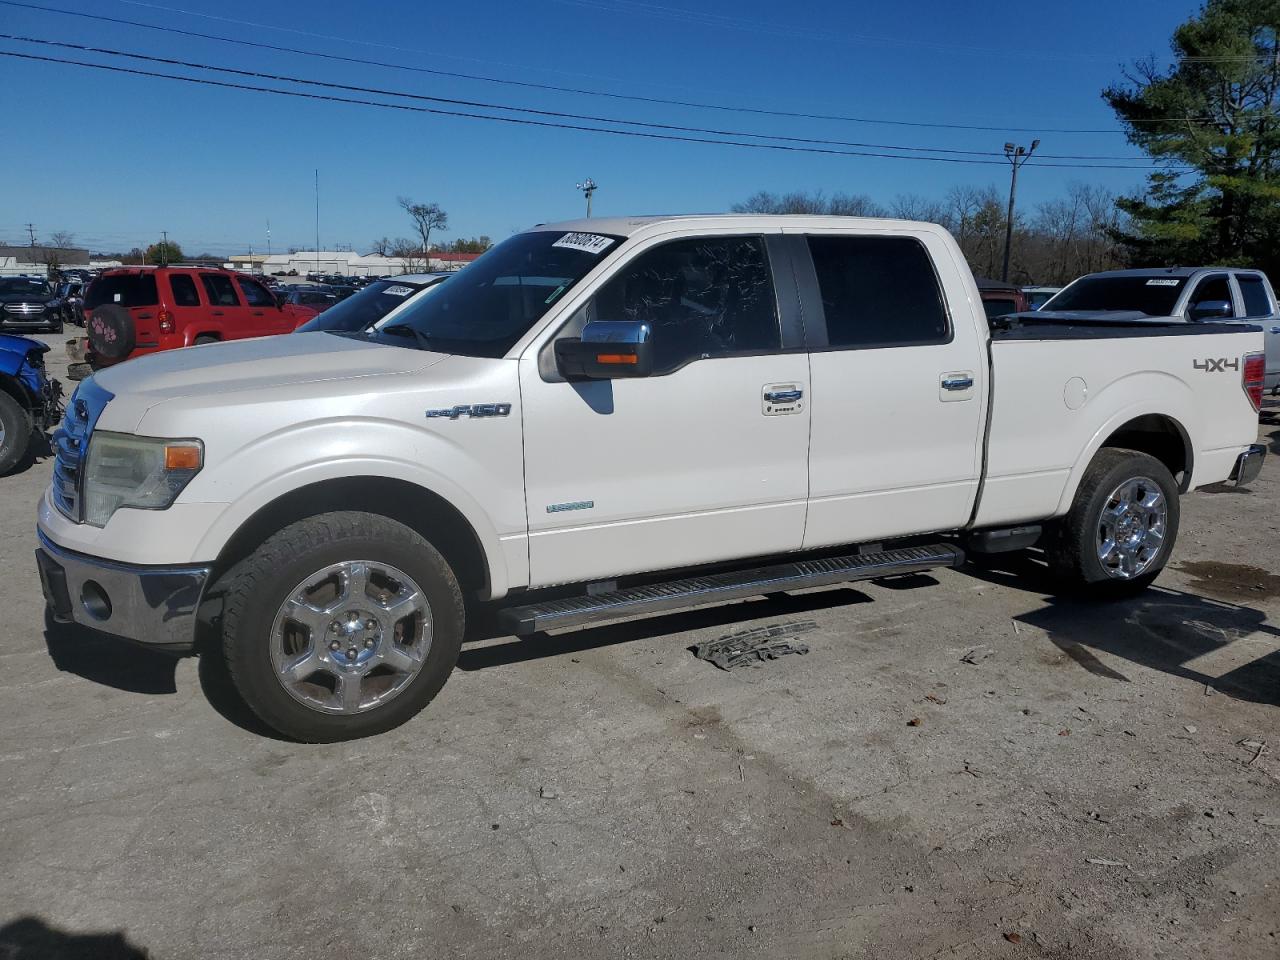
(351, 636)
(1132, 528)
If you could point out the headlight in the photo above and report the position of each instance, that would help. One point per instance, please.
(141, 472)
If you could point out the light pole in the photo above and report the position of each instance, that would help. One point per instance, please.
(1016, 156)
(588, 187)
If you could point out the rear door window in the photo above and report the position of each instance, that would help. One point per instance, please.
(1254, 291)
(220, 290)
(125, 289)
(879, 292)
(184, 290)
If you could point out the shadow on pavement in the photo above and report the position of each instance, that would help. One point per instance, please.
(1162, 629)
(107, 660)
(30, 938)
(541, 645)
(41, 448)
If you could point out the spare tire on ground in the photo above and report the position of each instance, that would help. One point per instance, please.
(111, 332)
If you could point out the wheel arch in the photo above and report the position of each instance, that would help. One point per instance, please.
(418, 508)
(1156, 433)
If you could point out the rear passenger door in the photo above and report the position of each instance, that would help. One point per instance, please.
(225, 305)
(265, 316)
(1259, 307)
(898, 392)
(185, 303)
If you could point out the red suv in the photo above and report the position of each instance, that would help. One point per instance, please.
(135, 310)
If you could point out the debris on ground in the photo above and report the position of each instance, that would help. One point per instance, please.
(1104, 862)
(1189, 728)
(1013, 937)
(1256, 745)
(755, 645)
(976, 655)
(934, 698)
(915, 721)
(547, 792)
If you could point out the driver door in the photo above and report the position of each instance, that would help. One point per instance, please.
(693, 463)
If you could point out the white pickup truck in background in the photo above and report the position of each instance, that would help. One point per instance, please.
(615, 416)
(1193, 294)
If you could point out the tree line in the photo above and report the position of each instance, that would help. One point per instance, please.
(1053, 243)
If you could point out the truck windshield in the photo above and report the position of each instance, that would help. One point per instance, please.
(1154, 296)
(484, 309)
(362, 310)
(22, 285)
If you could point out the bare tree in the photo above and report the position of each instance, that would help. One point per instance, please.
(406, 250)
(62, 238)
(381, 247)
(426, 217)
(839, 204)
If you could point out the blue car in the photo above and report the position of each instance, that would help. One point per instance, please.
(29, 400)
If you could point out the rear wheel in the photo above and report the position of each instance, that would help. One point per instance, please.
(341, 626)
(1121, 528)
(112, 334)
(15, 432)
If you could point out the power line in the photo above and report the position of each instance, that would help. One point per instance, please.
(170, 61)
(699, 105)
(525, 121)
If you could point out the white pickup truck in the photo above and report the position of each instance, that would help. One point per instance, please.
(611, 417)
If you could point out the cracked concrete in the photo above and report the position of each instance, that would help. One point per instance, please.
(788, 810)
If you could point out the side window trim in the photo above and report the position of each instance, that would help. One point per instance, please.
(815, 317)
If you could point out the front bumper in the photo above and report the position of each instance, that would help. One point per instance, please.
(155, 606)
(1248, 465)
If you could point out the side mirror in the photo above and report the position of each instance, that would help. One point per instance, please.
(607, 350)
(1211, 310)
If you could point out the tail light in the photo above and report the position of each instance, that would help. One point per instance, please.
(166, 325)
(1253, 375)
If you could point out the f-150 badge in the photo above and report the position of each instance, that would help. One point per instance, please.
(472, 410)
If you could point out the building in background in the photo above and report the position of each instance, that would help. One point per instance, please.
(346, 263)
(35, 261)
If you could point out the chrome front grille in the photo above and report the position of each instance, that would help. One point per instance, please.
(25, 309)
(71, 442)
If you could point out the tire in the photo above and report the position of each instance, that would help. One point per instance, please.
(1075, 544)
(56, 328)
(111, 332)
(259, 586)
(15, 433)
(204, 338)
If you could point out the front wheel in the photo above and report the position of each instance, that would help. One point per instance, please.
(15, 433)
(1121, 528)
(341, 626)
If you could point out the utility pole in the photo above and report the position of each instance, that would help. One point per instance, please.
(31, 229)
(268, 236)
(164, 249)
(1016, 156)
(317, 219)
(588, 187)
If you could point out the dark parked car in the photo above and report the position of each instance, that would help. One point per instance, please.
(1000, 299)
(71, 293)
(364, 309)
(318, 299)
(29, 400)
(29, 304)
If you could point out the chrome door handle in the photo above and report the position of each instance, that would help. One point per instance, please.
(783, 396)
(957, 383)
(1275, 329)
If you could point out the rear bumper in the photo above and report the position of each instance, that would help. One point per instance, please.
(155, 606)
(1248, 465)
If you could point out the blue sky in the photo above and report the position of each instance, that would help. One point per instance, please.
(115, 159)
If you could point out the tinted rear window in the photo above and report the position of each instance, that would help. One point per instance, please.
(365, 308)
(126, 289)
(184, 290)
(1256, 301)
(879, 292)
(1154, 296)
(999, 308)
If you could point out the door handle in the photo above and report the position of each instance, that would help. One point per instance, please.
(783, 396)
(957, 383)
(1275, 329)
(216, 313)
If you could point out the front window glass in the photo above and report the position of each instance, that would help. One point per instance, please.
(1254, 291)
(1154, 296)
(220, 290)
(362, 310)
(484, 309)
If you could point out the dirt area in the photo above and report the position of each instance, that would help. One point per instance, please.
(963, 766)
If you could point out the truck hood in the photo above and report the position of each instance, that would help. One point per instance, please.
(246, 365)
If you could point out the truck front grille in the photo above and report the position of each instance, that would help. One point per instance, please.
(71, 441)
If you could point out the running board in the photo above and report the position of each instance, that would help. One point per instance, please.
(720, 587)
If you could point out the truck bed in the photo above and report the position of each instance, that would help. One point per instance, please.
(1032, 327)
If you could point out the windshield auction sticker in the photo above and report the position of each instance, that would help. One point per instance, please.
(1163, 283)
(398, 291)
(586, 242)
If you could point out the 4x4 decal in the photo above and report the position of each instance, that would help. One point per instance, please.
(1217, 366)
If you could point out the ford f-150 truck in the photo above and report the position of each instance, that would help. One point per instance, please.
(611, 417)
